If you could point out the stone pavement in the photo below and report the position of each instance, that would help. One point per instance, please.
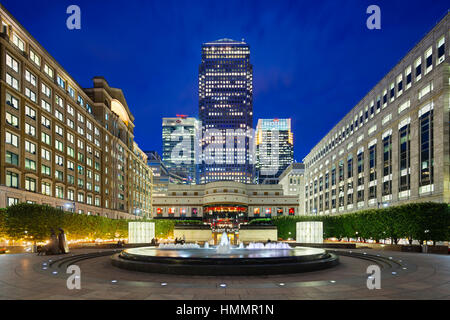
(420, 276)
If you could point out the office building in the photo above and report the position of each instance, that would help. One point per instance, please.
(226, 112)
(63, 145)
(180, 146)
(393, 146)
(274, 149)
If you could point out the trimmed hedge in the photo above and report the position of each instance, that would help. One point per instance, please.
(33, 222)
(419, 221)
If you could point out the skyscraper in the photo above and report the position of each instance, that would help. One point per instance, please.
(179, 146)
(274, 149)
(226, 111)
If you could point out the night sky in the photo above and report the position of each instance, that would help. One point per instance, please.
(312, 60)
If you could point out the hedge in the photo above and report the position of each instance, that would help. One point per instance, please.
(34, 222)
(419, 221)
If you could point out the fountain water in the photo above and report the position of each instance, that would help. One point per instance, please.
(224, 247)
(206, 246)
(170, 246)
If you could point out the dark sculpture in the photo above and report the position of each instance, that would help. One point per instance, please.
(63, 247)
(53, 246)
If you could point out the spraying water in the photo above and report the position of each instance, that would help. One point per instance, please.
(224, 247)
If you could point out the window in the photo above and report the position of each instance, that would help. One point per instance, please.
(46, 138)
(46, 188)
(45, 122)
(70, 123)
(59, 130)
(428, 60)
(425, 90)
(59, 101)
(70, 195)
(30, 184)
(12, 139)
(30, 130)
(12, 120)
(71, 91)
(12, 158)
(30, 112)
(70, 110)
(404, 158)
(408, 77)
(70, 137)
(31, 78)
(12, 179)
(12, 201)
(47, 91)
(46, 154)
(35, 58)
(12, 101)
(59, 175)
(59, 192)
(30, 94)
(60, 81)
(48, 70)
(59, 145)
(45, 170)
(418, 68)
(30, 164)
(18, 42)
(12, 63)
(71, 152)
(59, 115)
(426, 148)
(59, 160)
(30, 147)
(12, 81)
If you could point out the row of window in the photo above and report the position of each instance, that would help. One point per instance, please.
(402, 82)
(425, 168)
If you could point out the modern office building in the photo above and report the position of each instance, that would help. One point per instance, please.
(292, 178)
(180, 145)
(162, 177)
(274, 149)
(226, 112)
(393, 146)
(63, 145)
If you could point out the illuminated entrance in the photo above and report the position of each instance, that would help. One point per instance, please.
(225, 218)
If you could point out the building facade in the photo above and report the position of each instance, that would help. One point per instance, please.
(393, 146)
(179, 139)
(62, 145)
(224, 199)
(226, 112)
(161, 175)
(274, 149)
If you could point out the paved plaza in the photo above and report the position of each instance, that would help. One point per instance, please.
(403, 276)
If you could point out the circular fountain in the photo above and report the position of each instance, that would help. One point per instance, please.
(255, 259)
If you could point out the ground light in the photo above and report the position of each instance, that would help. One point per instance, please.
(223, 285)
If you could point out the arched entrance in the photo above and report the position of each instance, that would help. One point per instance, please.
(225, 218)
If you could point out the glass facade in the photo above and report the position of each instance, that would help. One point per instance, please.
(226, 112)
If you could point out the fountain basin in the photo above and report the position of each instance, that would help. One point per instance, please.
(238, 261)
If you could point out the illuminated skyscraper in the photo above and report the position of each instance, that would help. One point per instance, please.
(274, 149)
(226, 111)
(179, 146)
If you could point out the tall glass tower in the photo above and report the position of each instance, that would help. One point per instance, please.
(226, 112)
(274, 149)
(179, 146)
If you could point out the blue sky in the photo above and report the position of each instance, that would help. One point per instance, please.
(312, 60)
